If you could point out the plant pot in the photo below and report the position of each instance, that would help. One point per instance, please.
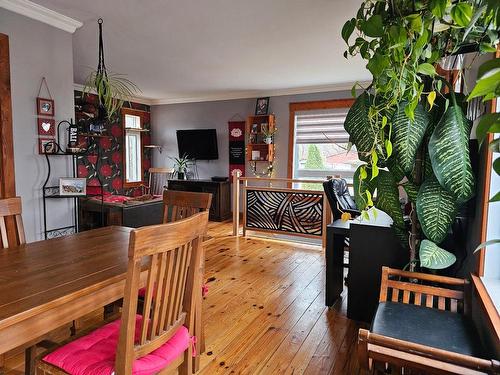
(181, 176)
(268, 140)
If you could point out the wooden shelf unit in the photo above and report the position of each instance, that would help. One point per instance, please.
(267, 151)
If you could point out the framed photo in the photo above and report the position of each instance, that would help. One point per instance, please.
(263, 127)
(262, 106)
(255, 128)
(47, 146)
(46, 126)
(72, 186)
(45, 107)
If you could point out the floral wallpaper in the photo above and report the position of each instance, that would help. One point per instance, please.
(108, 169)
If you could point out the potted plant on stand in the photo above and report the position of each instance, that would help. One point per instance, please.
(268, 134)
(181, 166)
(406, 130)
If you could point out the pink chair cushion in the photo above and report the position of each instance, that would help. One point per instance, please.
(94, 354)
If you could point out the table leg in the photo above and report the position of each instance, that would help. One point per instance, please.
(334, 254)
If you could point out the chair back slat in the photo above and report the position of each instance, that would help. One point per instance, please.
(11, 207)
(178, 205)
(444, 293)
(169, 256)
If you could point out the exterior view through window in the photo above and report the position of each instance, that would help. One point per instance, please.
(321, 147)
(133, 172)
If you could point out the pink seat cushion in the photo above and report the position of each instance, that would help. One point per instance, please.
(94, 354)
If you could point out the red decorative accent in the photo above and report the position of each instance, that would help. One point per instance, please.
(106, 170)
(116, 131)
(117, 183)
(46, 126)
(82, 171)
(116, 157)
(236, 147)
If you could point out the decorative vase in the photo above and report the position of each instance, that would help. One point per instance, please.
(181, 176)
(268, 140)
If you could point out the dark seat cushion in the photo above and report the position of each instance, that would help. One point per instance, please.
(426, 326)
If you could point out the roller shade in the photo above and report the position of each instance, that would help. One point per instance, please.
(321, 127)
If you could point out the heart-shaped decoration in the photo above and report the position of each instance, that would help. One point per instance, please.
(46, 126)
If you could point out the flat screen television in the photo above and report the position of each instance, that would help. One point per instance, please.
(199, 144)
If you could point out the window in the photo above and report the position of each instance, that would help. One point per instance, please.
(132, 148)
(320, 142)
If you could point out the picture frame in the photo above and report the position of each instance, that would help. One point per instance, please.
(46, 126)
(262, 106)
(47, 146)
(74, 187)
(45, 107)
(255, 129)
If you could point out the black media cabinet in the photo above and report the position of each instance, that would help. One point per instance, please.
(220, 190)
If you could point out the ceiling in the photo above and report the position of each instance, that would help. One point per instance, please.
(190, 50)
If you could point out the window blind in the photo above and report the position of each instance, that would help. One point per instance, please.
(321, 127)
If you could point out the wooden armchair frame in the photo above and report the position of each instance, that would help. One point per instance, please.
(377, 353)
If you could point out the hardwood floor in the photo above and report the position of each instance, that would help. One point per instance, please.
(264, 312)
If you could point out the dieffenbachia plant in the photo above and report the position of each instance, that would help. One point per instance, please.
(404, 128)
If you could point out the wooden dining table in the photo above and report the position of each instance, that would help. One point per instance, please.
(47, 284)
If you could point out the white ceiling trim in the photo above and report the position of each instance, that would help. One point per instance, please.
(37, 12)
(250, 94)
(256, 94)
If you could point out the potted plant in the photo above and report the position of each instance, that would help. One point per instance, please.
(268, 134)
(112, 89)
(406, 130)
(181, 165)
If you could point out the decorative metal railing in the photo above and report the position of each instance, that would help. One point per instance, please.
(280, 210)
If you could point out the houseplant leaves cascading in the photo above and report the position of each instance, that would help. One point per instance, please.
(404, 122)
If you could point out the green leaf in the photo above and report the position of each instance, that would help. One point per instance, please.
(449, 153)
(373, 26)
(487, 48)
(488, 66)
(438, 7)
(415, 21)
(395, 169)
(487, 243)
(461, 13)
(408, 134)
(488, 83)
(433, 257)
(495, 198)
(496, 166)
(388, 147)
(411, 190)
(488, 124)
(426, 69)
(361, 184)
(495, 145)
(348, 29)
(377, 64)
(388, 199)
(436, 210)
(357, 124)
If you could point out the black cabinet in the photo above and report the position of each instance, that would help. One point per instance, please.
(221, 195)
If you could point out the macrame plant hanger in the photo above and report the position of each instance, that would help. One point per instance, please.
(101, 71)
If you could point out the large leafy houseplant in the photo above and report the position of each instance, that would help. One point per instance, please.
(404, 128)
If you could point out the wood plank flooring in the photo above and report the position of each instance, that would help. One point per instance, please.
(264, 312)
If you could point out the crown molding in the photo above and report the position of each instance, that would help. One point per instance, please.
(233, 95)
(135, 99)
(37, 12)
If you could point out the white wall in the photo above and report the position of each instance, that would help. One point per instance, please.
(166, 119)
(37, 50)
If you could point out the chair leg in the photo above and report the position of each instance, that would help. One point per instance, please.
(29, 360)
(186, 368)
(2, 364)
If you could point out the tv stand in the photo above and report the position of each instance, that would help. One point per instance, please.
(220, 209)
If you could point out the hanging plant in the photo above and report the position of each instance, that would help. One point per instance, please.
(406, 130)
(112, 89)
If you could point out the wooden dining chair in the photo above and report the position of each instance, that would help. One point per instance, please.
(178, 205)
(157, 180)
(11, 209)
(159, 340)
(181, 204)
